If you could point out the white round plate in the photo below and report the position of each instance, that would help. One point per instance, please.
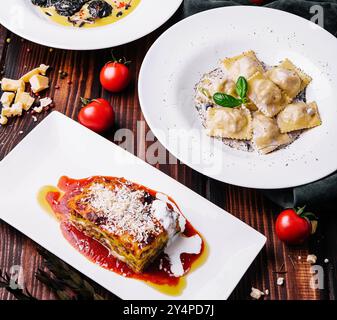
(194, 46)
(26, 20)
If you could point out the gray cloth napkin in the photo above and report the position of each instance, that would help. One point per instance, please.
(299, 7)
(322, 193)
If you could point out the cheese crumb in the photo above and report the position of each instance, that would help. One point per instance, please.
(256, 294)
(38, 109)
(280, 281)
(311, 258)
(45, 102)
(6, 112)
(43, 69)
(3, 120)
(17, 109)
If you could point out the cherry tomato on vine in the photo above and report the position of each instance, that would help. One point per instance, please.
(115, 75)
(295, 226)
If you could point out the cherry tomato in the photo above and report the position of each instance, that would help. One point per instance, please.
(115, 76)
(294, 226)
(97, 115)
(257, 2)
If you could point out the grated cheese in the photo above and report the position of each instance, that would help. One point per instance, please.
(124, 211)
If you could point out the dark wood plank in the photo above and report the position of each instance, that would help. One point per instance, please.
(83, 67)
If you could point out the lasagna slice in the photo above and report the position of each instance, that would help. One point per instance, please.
(126, 218)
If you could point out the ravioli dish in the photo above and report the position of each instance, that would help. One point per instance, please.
(254, 107)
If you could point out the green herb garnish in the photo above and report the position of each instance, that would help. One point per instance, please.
(242, 88)
(64, 281)
(228, 101)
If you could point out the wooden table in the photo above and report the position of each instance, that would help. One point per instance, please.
(18, 56)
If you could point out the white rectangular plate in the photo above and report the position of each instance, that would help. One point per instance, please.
(60, 146)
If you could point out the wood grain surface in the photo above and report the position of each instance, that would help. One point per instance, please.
(19, 56)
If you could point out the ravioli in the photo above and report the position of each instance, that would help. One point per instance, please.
(266, 95)
(298, 116)
(209, 86)
(245, 65)
(267, 136)
(289, 78)
(233, 123)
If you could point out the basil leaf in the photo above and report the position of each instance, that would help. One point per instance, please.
(242, 87)
(225, 100)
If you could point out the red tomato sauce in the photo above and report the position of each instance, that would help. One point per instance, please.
(158, 273)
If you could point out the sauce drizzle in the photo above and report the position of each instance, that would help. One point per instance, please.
(157, 275)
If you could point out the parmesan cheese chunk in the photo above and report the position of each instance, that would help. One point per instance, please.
(29, 75)
(7, 98)
(42, 69)
(25, 98)
(311, 258)
(17, 109)
(39, 83)
(13, 111)
(256, 294)
(12, 85)
(280, 281)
